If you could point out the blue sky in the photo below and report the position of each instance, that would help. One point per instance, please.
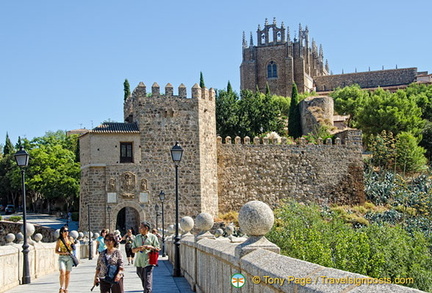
(63, 63)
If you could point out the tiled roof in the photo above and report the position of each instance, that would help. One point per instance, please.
(117, 127)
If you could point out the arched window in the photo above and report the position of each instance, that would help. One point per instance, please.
(272, 70)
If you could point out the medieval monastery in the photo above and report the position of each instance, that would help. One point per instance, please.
(126, 165)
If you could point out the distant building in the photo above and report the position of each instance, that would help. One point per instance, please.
(278, 61)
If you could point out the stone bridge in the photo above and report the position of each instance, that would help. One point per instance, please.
(214, 264)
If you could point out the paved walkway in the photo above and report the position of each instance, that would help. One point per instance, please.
(82, 280)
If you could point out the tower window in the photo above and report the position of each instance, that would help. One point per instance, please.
(126, 152)
(272, 70)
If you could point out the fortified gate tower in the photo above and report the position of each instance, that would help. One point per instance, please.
(126, 165)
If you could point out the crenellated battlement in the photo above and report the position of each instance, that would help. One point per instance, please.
(348, 138)
(196, 92)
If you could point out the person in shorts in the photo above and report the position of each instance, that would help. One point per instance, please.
(64, 247)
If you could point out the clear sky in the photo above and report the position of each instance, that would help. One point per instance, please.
(63, 63)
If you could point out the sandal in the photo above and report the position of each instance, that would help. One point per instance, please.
(61, 290)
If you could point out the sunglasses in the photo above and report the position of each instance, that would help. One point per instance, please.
(106, 240)
(65, 231)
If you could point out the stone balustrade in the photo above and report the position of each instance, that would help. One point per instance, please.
(210, 263)
(42, 258)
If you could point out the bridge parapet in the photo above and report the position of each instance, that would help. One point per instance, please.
(222, 264)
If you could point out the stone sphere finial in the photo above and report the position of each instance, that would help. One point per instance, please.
(19, 237)
(30, 229)
(74, 234)
(256, 218)
(219, 232)
(229, 230)
(204, 222)
(38, 237)
(57, 233)
(171, 229)
(186, 224)
(96, 235)
(80, 235)
(10, 238)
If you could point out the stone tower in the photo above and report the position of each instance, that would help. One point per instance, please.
(126, 165)
(278, 61)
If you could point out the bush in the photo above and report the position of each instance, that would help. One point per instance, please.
(321, 236)
(15, 218)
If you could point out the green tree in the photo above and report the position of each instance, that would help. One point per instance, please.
(391, 112)
(409, 156)
(426, 141)
(202, 85)
(294, 126)
(8, 148)
(126, 89)
(227, 111)
(349, 101)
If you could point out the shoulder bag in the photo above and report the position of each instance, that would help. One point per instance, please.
(75, 260)
(111, 272)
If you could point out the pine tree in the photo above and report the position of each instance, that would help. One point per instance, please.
(8, 148)
(294, 126)
(126, 89)
(229, 88)
(202, 85)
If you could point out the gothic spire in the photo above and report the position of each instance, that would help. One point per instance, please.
(251, 40)
(244, 40)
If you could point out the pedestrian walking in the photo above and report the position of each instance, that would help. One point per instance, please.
(64, 247)
(144, 243)
(129, 238)
(100, 241)
(109, 267)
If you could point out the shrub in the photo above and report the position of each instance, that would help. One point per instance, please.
(15, 218)
(379, 250)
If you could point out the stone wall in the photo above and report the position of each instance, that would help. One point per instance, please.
(327, 173)
(370, 79)
(15, 228)
(315, 111)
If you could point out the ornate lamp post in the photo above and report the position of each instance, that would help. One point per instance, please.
(176, 155)
(157, 215)
(162, 199)
(89, 235)
(22, 158)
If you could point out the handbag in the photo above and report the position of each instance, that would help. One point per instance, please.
(153, 257)
(111, 272)
(75, 260)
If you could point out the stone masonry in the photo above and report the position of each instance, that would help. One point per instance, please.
(325, 174)
(154, 122)
(213, 177)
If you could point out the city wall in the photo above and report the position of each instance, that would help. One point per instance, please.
(330, 172)
(369, 79)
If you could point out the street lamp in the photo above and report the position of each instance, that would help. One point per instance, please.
(157, 215)
(89, 235)
(176, 155)
(162, 199)
(22, 158)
